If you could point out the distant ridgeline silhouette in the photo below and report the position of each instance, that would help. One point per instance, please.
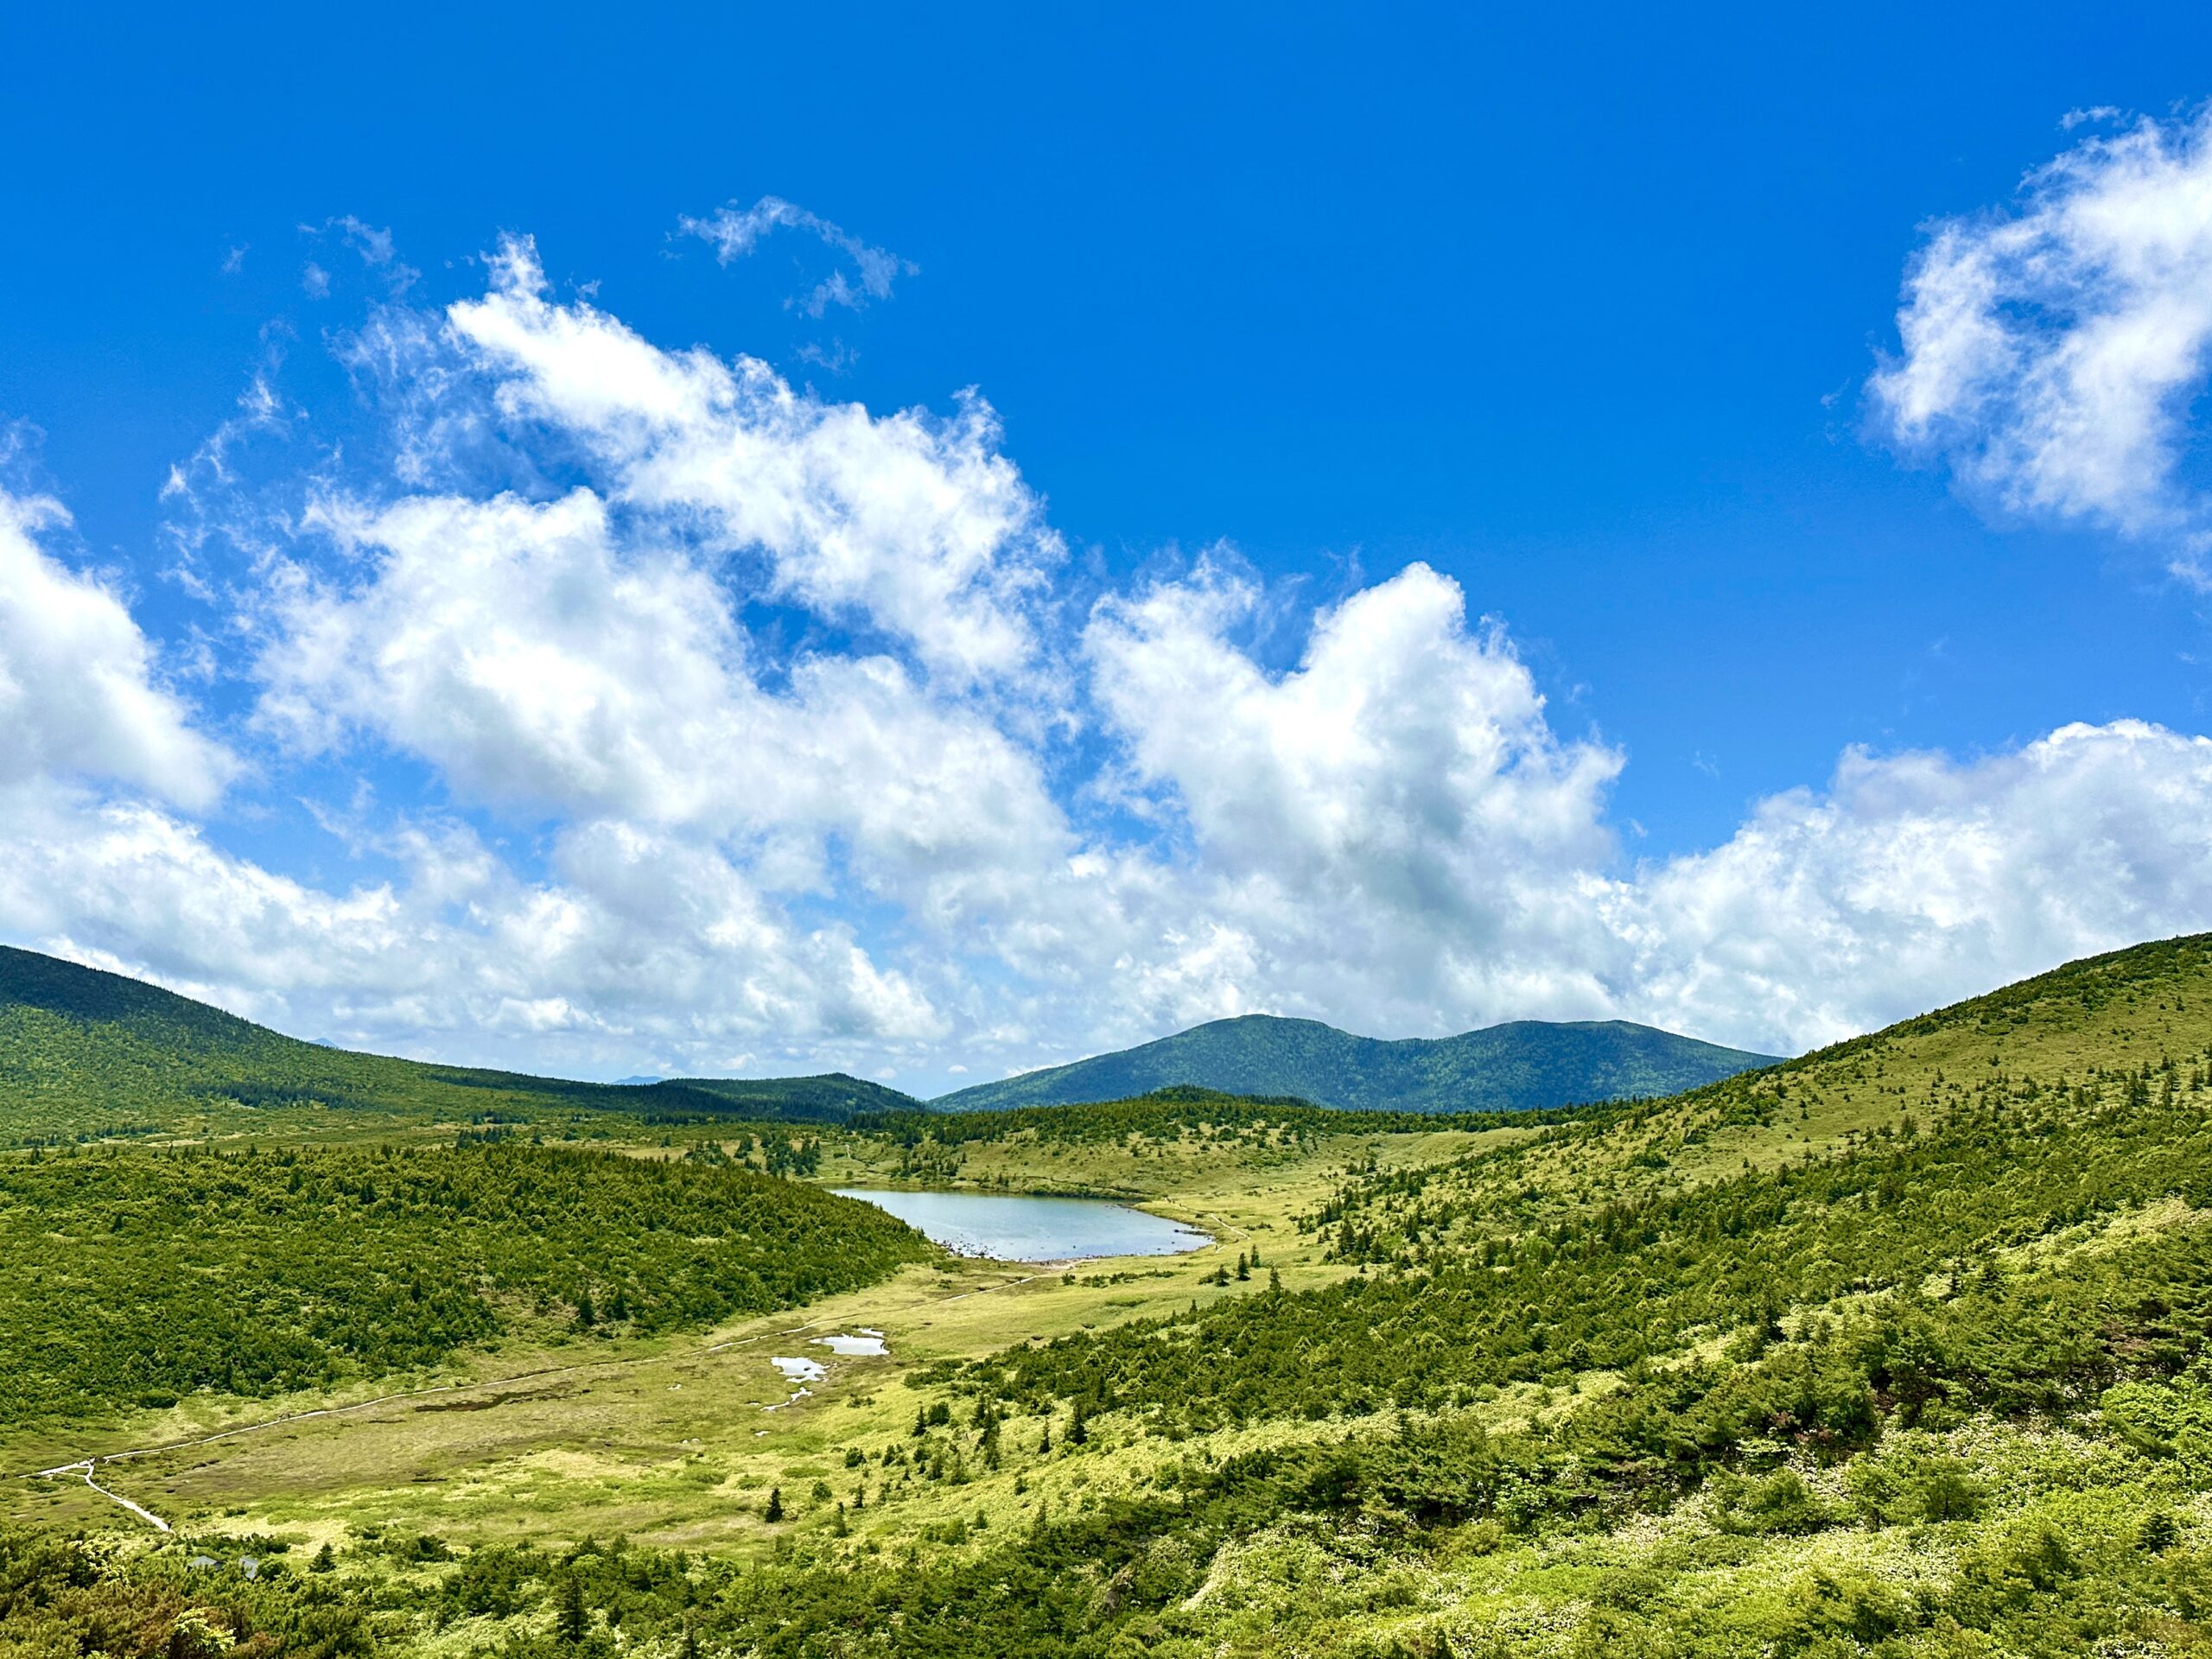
(1527, 1064)
(84, 1052)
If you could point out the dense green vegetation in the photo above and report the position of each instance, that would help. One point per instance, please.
(1530, 1296)
(137, 1277)
(1543, 1278)
(1125, 1148)
(86, 1055)
(1904, 1347)
(1168, 1114)
(1529, 1063)
(61, 1597)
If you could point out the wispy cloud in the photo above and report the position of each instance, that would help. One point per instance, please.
(372, 244)
(2090, 117)
(735, 231)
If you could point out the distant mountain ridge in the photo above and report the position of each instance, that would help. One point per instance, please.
(1523, 1064)
(86, 1050)
(83, 1050)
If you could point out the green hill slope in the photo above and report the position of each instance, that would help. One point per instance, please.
(88, 1053)
(307, 1266)
(1529, 1063)
(1903, 1347)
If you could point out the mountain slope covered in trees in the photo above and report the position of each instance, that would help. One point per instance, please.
(84, 1053)
(140, 1276)
(1523, 1064)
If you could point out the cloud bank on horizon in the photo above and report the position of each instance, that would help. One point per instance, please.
(659, 715)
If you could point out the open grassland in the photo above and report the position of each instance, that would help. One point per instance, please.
(1899, 1349)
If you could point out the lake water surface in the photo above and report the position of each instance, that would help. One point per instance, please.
(1011, 1228)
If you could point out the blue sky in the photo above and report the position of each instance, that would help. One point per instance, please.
(1577, 319)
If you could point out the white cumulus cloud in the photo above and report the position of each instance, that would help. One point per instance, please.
(1393, 823)
(543, 661)
(917, 526)
(1917, 879)
(2051, 352)
(632, 941)
(79, 691)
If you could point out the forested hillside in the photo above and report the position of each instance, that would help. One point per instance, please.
(89, 1054)
(138, 1277)
(1527, 1064)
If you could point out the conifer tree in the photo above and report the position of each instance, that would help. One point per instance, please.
(571, 1618)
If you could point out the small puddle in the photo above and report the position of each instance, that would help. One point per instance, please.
(801, 1371)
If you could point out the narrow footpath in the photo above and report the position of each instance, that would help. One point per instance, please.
(83, 1468)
